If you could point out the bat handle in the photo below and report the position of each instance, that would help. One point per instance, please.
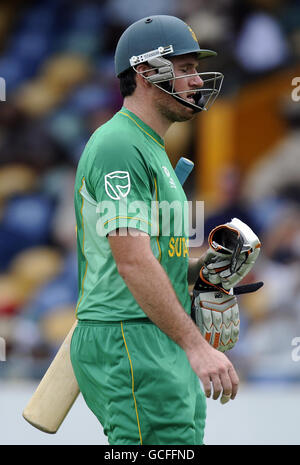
(183, 169)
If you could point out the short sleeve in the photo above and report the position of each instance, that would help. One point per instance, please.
(122, 186)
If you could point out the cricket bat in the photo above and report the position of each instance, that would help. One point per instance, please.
(56, 392)
(58, 389)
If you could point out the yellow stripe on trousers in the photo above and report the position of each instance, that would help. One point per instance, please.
(132, 384)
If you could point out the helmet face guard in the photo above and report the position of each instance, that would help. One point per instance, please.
(165, 79)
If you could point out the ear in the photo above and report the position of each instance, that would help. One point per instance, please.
(144, 68)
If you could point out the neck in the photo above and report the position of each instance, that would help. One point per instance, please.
(149, 115)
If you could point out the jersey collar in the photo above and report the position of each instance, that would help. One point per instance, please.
(143, 126)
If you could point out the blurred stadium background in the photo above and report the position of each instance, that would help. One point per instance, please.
(57, 62)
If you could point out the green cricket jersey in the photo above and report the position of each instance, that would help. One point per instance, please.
(125, 179)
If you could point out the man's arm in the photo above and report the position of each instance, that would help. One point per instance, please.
(153, 291)
(195, 265)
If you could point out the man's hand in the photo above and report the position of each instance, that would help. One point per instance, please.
(215, 371)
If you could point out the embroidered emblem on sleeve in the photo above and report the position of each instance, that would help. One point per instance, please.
(117, 184)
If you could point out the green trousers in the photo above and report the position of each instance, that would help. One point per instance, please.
(138, 383)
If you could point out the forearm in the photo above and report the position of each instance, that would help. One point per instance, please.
(195, 265)
(153, 291)
(151, 287)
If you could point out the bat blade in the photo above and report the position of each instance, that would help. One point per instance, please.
(56, 392)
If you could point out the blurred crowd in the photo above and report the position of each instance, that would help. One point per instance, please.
(57, 62)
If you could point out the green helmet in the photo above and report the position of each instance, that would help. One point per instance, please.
(154, 33)
(153, 40)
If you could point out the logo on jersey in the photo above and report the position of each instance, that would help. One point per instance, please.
(172, 183)
(166, 171)
(117, 184)
(171, 180)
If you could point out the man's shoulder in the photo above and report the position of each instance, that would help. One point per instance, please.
(112, 145)
(115, 133)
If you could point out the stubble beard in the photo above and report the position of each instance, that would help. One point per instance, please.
(172, 110)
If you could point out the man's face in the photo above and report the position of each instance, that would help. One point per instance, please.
(184, 66)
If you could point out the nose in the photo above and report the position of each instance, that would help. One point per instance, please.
(196, 81)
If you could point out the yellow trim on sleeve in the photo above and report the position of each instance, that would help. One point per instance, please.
(132, 385)
(126, 218)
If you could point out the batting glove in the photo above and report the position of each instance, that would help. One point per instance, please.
(233, 250)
